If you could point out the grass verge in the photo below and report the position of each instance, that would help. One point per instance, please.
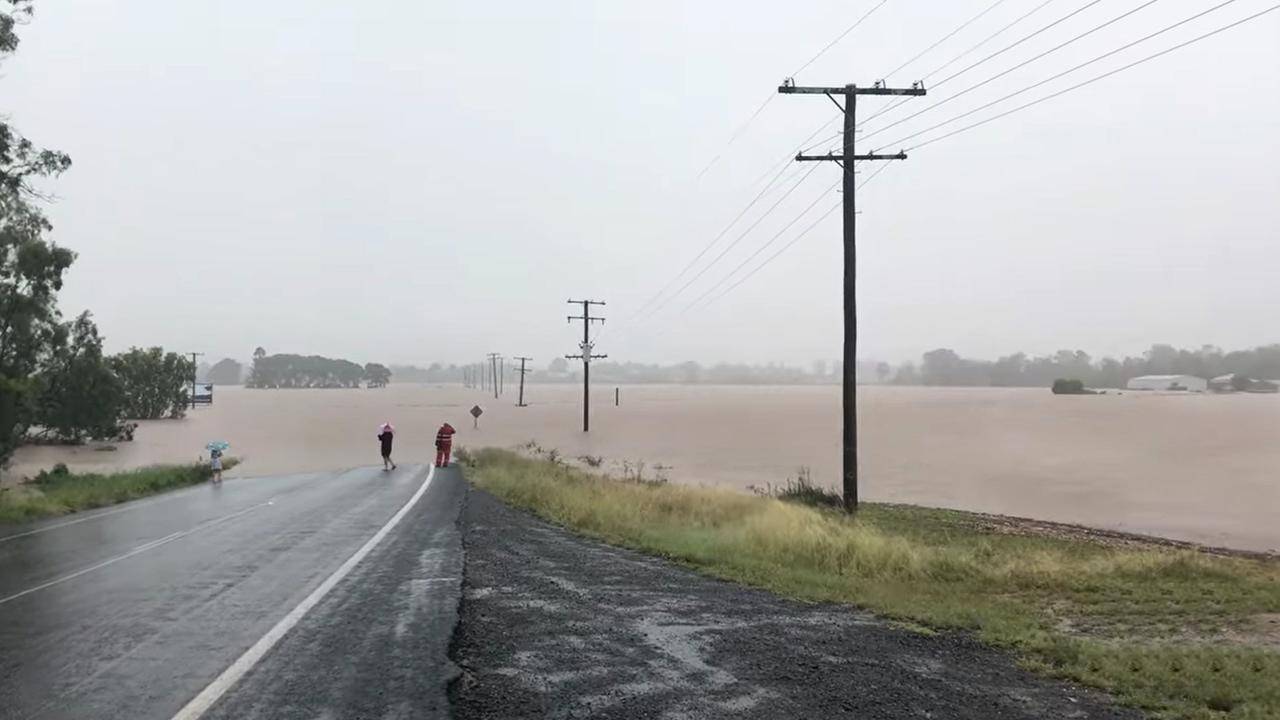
(60, 491)
(1179, 633)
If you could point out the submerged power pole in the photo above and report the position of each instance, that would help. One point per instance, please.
(522, 371)
(846, 160)
(586, 355)
(493, 366)
(194, 376)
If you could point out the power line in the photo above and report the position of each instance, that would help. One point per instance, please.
(961, 56)
(1019, 66)
(765, 246)
(1103, 76)
(794, 240)
(734, 244)
(839, 37)
(724, 231)
(743, 127)
(998, 53)
(777, 170)
(947, 37)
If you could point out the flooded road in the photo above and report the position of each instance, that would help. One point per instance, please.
(1198, 468)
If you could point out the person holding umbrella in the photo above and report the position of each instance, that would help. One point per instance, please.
(385, 435)
(216, 449)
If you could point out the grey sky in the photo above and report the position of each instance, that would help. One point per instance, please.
(410, 181)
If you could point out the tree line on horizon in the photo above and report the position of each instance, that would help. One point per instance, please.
(945, 367)
(940, 367)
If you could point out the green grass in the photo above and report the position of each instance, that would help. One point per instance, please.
(60, 492)
(1173, 631)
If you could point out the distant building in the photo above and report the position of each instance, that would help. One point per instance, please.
(1240, 383)
(1172, 383)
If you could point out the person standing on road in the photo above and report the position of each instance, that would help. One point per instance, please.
(444, 444)
(385, 436)
(215, 465)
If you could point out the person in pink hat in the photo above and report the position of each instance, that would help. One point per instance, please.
(386, 434)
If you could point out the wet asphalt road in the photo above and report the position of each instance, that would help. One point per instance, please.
(553, 625)
(132, 611)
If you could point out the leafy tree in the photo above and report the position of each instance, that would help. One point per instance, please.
(299, 371)
(377, 375)
(226, 372)
(559, 366)
(31, 267)
(259, 353)
(79, 396)
(155, 383)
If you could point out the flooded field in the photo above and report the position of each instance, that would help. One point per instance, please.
(1200, 468)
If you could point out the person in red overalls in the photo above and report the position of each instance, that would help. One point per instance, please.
(444, 444)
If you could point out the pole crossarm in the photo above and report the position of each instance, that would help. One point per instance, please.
(850, 89)
(846, 158)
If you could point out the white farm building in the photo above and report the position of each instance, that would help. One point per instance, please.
(1184, 383)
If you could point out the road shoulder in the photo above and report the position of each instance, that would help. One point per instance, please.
(556, 625)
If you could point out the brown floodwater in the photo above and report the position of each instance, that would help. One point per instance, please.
(1204, 468)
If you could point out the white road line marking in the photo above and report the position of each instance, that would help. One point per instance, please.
(243, 664)
(140, 549)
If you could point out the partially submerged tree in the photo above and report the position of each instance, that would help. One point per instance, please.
(376, 375)
(155, 383)
(79, 396)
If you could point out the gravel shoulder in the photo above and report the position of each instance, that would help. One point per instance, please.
(553, 625)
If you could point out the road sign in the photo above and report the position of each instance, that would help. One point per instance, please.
(476, 412)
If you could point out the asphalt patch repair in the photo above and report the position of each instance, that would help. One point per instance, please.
(553, 625)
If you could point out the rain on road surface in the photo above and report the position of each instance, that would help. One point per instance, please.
(135, 611)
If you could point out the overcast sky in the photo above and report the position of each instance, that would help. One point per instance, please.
(408, 181)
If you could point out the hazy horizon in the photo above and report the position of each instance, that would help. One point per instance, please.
(408, 184)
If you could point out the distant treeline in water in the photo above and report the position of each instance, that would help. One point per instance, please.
(562, 371)
(936, 367)
(946, 367)
(306, 371)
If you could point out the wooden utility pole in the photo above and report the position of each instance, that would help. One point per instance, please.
(522, 371)
(586, 355)
(493, 366)
(846, 160)
(502, 374)
(194, 373)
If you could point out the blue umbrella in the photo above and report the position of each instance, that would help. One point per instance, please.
(218, 445)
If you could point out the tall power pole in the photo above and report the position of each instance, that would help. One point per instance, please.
(502, 374)
(846, 160)
(194, 372)
(586, 355)
(493, 367)
(522, 371)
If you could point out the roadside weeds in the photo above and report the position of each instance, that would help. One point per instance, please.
(61, 491)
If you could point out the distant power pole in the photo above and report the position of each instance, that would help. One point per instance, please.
(502, 375)
(493, 366)
(585, 356)
(522, 371)
(194, 373)
(845, 160)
